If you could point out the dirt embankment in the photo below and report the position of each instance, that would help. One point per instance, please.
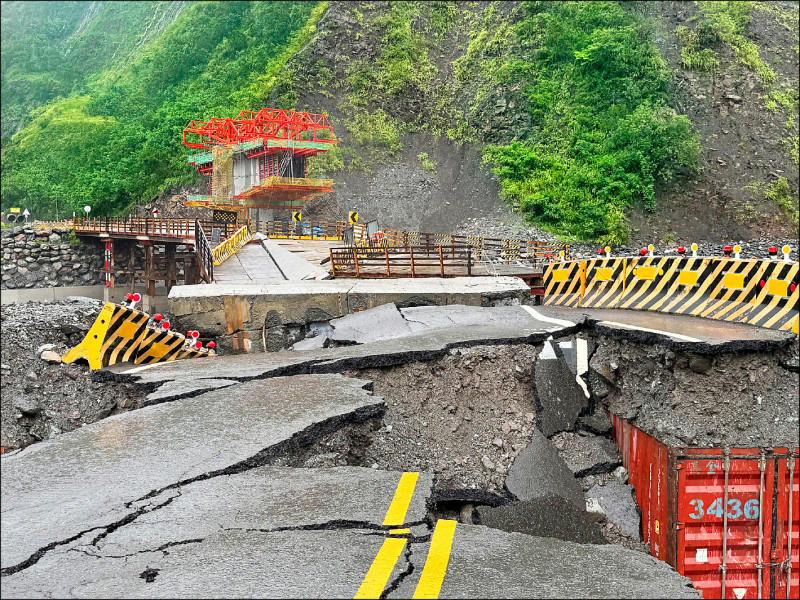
(744, 144)
(41, 398)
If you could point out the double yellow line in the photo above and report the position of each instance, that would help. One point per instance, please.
(430, 582)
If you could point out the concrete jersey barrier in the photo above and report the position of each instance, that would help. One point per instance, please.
(759, 292)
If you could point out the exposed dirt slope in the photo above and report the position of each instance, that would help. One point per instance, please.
(743, 142)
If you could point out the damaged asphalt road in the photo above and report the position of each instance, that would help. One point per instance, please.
(185, 497)
(179, 499)
(111, 471)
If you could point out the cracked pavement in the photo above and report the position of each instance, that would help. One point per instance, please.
(180, 498)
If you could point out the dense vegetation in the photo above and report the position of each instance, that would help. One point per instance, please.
(569, 101)
(599, 133)
(603, 134)
(51, 48)
(116, 139)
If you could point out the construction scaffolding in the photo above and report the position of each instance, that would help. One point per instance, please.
(258, 160)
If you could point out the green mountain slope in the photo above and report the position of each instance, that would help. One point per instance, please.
(115, 140)
(50, 49)
(596, 120)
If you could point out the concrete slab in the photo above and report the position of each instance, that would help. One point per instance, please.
(220, 309)
(678, 332)
(587, 454)
(437, 317)
(380, 323)
(547, 516)
(311, 343)
(292, 266)
(557, 393)
(268, 499)
(173, 390)
(422, 346)
(617, 501)
(127, 457)
(539, 472)
(568, 352)
(251, 264)
(487, 563)
(226, 564)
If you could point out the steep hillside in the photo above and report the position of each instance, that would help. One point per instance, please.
(744, 104)
(610, 121)
(578, 108)
(116, 141)
(50, 49)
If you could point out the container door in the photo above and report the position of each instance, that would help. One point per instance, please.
(787, 524)
(701, 512)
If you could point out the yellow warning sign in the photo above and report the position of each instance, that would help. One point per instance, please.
(733, 281)
(16, 210)
(560, 275)
(648, 273)
(353, 216)
(686, 277)
(297, 216)
(604, 274)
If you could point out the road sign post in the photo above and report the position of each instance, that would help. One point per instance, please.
(26, 214)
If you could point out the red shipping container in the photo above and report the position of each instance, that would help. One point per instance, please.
(741, 552)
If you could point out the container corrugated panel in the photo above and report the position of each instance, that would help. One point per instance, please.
(682, 493)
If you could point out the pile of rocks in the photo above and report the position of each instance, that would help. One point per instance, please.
(757, 249)
(38, 258)
(513, 227)
(41, 396)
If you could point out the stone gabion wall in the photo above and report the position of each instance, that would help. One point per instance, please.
(41, 258)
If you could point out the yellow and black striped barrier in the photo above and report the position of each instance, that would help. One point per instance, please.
(759, 292)
(160, 346)
(114, 337)
(121, 334)
(675, 283)
(776, 302)
(605, 282)
(231, 246)
(564, 283)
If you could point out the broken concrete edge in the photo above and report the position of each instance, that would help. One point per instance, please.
(266, 456)
(327, 365)
(701, 347)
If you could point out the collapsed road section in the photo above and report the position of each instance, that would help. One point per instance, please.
(270, 462)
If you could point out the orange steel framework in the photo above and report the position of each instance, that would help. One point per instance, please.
(264, 136)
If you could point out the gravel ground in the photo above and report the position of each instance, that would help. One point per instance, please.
(753, 249)
(513, 227)
(465, 417)
(746, 399)
(42, 399)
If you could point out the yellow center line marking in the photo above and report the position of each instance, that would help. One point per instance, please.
(430, 582)
(375, 580)
(381, 569)
(396, 514)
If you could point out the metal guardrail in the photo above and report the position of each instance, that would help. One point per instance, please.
(304, 230)
(174, 228)
(205, 257)
(411, 261)
(507, 248)
(231, 246)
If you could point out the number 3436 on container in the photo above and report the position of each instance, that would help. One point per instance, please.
(737, 509)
